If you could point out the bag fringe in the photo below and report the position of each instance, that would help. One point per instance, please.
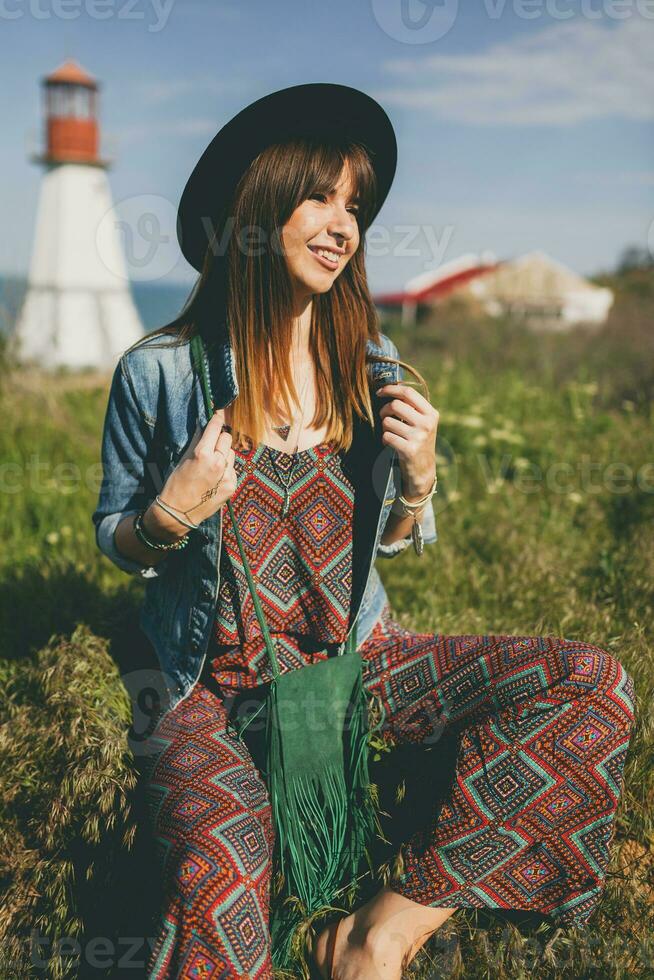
(324, 820)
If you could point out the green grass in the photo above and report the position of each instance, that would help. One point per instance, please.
(517, 553)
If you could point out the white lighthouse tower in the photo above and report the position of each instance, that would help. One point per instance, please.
(78, 310)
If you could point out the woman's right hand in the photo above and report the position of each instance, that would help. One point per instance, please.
(205, 476)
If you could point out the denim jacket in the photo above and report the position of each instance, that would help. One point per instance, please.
(155, 406)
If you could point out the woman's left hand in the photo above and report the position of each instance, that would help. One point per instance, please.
(412, 432)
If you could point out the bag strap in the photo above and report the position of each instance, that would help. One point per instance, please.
(201, 365)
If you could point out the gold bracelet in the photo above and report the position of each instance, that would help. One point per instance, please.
(169, 510)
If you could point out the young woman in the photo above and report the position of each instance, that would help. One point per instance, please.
(322, 450)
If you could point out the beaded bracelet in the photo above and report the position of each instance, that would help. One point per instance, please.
(145, 538)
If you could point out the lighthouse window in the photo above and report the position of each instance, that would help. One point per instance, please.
(68, 100)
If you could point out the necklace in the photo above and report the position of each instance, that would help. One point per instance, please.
(283, 430)
(287, 483)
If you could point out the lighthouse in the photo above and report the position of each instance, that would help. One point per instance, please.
(78, 310)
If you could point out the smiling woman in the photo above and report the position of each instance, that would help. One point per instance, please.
(288, 239)
(539, 724)
(312, 215)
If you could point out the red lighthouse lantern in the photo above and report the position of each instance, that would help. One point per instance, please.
(71, 123)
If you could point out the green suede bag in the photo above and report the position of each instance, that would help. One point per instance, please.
(316, 723)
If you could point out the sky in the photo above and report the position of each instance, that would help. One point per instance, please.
(520, 125)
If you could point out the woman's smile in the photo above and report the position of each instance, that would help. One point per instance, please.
(322, 257)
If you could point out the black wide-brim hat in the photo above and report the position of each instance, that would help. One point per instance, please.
(316, 109)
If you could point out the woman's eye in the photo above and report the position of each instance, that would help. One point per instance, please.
(353, 209)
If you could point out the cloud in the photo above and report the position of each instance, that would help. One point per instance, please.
(164, 90)
(564, 74)
(192, 126)
(205, 92)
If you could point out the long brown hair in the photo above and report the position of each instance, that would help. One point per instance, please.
(247, 297)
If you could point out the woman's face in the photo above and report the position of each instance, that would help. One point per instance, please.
(324, 223)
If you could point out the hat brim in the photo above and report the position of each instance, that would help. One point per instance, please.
(319, 109)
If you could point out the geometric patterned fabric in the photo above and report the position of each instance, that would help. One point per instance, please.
(541, 726)
(301, 563)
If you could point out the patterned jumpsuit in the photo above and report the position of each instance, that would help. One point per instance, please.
(541, 727)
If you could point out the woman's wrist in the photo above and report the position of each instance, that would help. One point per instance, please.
(419, 493)
(161, 526)
(415, 497)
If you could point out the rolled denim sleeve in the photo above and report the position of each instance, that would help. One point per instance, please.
(390, 550)
(427, 519)
(126, 439)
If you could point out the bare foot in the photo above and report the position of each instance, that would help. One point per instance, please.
(357, 956)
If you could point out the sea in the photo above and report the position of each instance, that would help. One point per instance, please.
(157, 303)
